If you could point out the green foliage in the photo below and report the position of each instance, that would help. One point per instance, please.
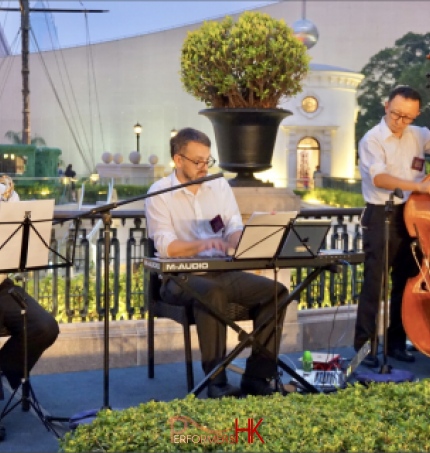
(251, 63)
(333, 197)
(98, 192)
(381, 418)
(125, 191)
(38, 190)
(16, 138)
(404, 63)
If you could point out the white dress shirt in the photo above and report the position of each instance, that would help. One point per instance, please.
(380, 151)
(182, 215)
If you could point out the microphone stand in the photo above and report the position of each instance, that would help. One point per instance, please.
(386, 373)
(105, 211)
(385, 368)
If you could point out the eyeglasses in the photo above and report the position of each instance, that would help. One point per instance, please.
(396, 116)
(201, 163)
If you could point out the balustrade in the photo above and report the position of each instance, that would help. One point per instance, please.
(76, 293)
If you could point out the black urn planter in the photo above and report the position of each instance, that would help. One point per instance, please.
(245, 140)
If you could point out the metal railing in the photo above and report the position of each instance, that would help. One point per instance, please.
(75, 294)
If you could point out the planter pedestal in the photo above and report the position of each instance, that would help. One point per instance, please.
(265, 199)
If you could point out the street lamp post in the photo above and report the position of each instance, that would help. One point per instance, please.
(137, 130)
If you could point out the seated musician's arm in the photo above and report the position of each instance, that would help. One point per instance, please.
(233, 239)
(159, 225)
(166, 241)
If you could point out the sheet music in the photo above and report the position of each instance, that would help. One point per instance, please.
(15, 212)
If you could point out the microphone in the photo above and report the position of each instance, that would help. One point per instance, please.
(396, 193)
(390, 202)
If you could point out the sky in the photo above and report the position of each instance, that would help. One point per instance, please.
(124, 19)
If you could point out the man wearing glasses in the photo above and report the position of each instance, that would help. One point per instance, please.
(392, 155)
(204, 220)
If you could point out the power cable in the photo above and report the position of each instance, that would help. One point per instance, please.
(347, 326)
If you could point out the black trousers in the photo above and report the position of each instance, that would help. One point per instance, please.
(42, 331)
(402, 266)
(243, 288)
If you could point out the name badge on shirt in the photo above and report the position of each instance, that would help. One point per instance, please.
(217, 224)
(417, 163)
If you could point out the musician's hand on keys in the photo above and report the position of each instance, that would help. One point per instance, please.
(230, 251)
(214, 244)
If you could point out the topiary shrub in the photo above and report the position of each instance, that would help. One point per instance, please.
(251, 63)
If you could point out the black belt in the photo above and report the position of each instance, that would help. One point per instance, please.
(382, 206)
(397, 211)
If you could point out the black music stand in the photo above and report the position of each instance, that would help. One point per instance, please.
(263, 237)
(34, 250)
(386, 373)
(247, 339)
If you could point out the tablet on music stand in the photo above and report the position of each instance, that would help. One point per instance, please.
(305, 238)
(263, 235)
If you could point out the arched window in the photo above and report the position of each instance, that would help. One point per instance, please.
(308, 158)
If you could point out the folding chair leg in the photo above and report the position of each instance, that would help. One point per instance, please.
(188, 357)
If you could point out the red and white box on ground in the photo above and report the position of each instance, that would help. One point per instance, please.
(325, 362)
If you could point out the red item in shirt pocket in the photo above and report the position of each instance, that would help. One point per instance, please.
(417, 163)
(217, 224)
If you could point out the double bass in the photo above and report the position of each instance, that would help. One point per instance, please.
(416, 297)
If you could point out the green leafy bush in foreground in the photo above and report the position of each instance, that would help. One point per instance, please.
(383, 417)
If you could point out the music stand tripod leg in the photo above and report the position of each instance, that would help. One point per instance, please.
(28, 397)
(278, 381)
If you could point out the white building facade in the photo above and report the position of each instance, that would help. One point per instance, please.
(88, 108)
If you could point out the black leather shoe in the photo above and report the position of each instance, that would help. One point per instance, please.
(221, 390)
(256, 386)
(371, 361)
(401, 355)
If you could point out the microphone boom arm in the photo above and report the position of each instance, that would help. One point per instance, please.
(108, 207)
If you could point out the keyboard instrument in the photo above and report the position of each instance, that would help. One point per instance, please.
(203, 264)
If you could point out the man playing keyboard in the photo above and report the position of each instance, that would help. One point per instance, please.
(204, 220)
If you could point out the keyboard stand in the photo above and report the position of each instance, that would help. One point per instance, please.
(245, 338)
